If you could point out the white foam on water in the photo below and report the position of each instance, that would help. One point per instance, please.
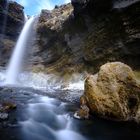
(39, 81)
(75, 86)
(45, 82)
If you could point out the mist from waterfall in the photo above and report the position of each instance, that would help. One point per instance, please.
(14, 67)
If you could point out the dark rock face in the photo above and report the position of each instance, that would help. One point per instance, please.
(95, 32)
(11, 23)
(92, 7)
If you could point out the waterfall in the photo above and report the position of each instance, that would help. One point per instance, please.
(15, 64)
(25, 17)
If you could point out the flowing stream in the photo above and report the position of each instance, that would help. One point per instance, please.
(47, 119)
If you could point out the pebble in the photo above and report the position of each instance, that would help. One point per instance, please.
(3, 116)
(76, 116)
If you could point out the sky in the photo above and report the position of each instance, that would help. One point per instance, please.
(33, 7)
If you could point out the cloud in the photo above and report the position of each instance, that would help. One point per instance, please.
(49, 4)
(23, 2)
(67, 1)
(45, 4)
(35, 6)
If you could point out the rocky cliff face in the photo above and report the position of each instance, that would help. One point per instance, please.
(11, 23)
(88, 34)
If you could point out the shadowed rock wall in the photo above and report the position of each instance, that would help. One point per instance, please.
(11, 23)
(95, 32)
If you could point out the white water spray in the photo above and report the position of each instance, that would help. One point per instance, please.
(15, 64)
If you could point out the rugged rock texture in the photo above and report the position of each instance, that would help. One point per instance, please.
(97, 31)
(53, 50)
(11, 23)
(113, 93)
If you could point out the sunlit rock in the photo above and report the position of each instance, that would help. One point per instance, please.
(114, 93)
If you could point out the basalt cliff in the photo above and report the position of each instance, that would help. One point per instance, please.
(88, 33)
(11, 23)
(76, 37)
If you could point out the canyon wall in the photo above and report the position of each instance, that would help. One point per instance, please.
(83, 36)
(11, 23)
(76, 37)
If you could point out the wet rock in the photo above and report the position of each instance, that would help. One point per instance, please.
(82, 113)
(1, 88)
(12, 12)
(8, 106)
(3, 116)
(11, 23)
(3, 3)
(6, 89)
(113, 93)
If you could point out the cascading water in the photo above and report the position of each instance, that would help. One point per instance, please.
(15, 64)
(48, 119)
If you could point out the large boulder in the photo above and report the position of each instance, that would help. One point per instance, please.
(113, 93)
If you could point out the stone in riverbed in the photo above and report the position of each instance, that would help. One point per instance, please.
(8, 106)
(82, 113)
(6, 89)
(3, 116)
(113, 93)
